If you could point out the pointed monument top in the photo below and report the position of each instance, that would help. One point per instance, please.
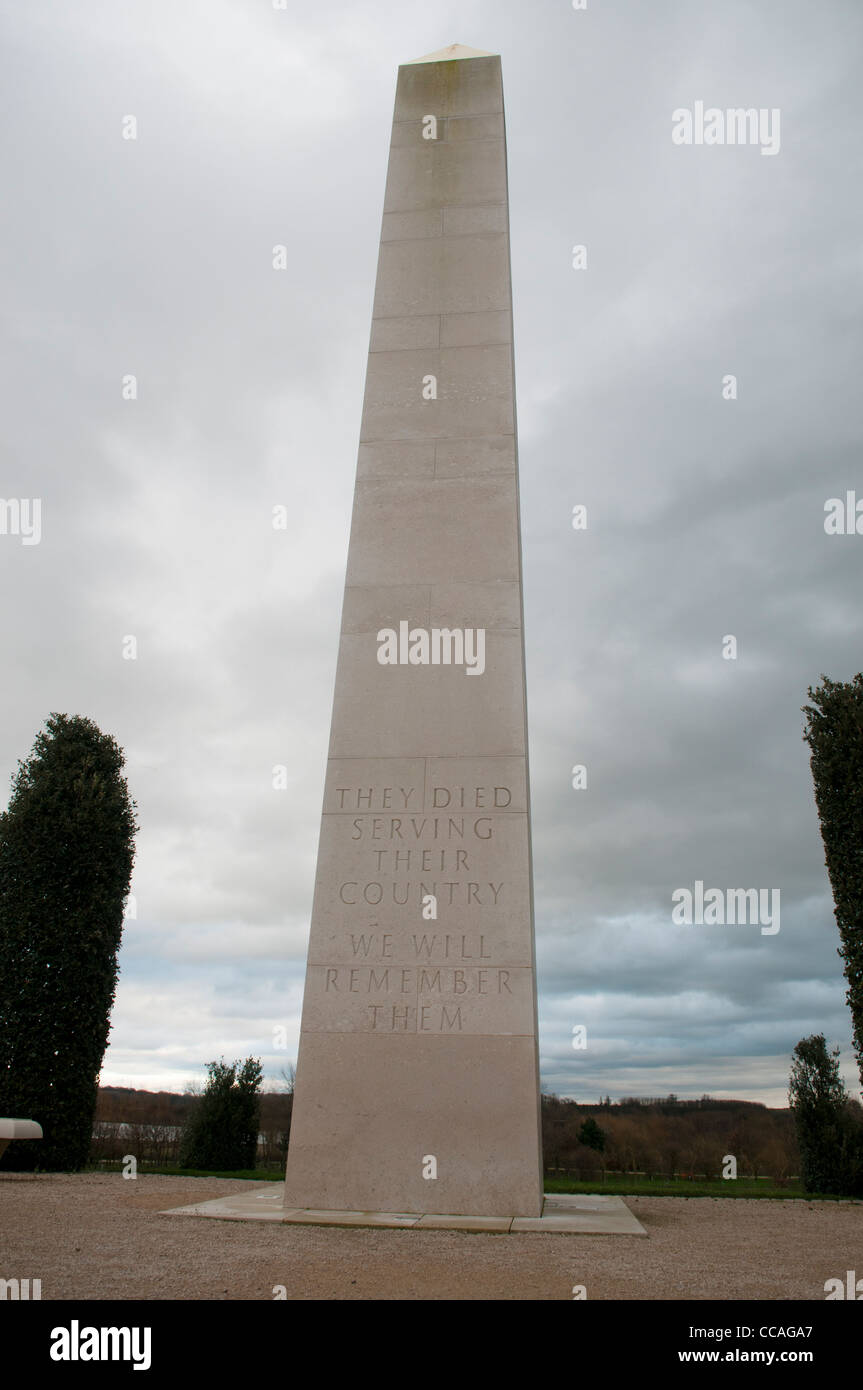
(444, 55)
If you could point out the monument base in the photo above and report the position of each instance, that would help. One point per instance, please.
(563, 1213)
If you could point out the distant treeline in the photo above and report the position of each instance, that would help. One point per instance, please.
(664, 1136)
(654, 1135)
(124, 1105)
(671, 1103)
(150, 1125)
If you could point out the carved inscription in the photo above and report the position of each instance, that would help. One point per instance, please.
(411, 853)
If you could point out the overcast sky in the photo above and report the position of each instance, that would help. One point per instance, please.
(259, 126)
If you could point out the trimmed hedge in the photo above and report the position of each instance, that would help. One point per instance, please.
(66, 855)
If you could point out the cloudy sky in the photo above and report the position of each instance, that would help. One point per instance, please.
(259, 126)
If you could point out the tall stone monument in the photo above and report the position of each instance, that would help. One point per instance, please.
(417, 1085)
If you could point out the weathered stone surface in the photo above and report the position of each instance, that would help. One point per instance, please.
(418, 1047)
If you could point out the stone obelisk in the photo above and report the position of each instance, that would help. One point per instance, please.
(417, 1086)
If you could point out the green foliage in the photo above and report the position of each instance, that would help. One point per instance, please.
(639, 1186)
(829, 1134)
(834, 733)
(591, 1135)
(66, 855)
(223, 1132)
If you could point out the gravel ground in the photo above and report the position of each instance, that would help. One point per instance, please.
(98, 1236)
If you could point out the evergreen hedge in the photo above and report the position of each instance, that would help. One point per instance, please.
(834, 732)
(66, 855)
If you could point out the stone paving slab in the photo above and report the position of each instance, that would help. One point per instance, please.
(464, 1223)
(572, 1213)
(310, 1217)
